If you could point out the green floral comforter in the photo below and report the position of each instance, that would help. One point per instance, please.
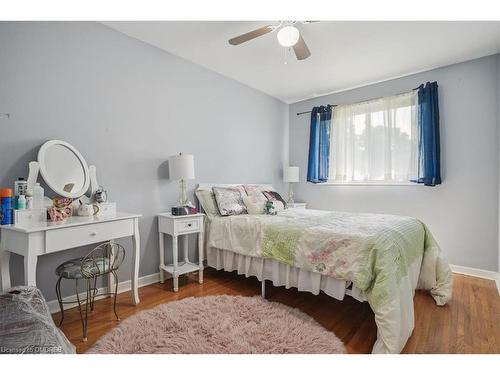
(385, 256)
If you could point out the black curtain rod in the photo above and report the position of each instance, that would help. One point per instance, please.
(367, 100)
(302, 113)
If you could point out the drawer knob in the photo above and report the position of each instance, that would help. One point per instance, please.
(189, 224)
(93, 234)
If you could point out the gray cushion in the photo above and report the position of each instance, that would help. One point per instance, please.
(72, 269)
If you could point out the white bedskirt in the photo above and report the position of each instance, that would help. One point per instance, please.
(281, 274)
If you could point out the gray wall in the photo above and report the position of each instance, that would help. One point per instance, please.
(498, 104)
(462, 213)
(126, 106)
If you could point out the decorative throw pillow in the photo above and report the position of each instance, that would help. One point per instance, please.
(207, 202)
(255, 203)
(274, 196)
(241, 189)
(229, 200)
(278, 206)
(256, 188)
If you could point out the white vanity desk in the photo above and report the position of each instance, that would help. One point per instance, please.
(34, 240)
(67, 174)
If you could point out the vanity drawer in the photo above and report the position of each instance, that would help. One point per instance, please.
(183, 226)
(66, 238)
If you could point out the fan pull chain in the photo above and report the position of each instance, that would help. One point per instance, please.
(286, 55)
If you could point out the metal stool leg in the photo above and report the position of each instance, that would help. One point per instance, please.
(80, 310)
(87, 298)
(116, 294)
(93, 294)
(59, 299)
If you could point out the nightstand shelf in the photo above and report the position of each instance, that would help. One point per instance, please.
(176, 226)
(182, 268)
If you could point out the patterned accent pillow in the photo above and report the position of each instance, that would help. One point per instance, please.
(255, 203)
(256, 188)
(274, 196)
(207, 202)
(240, 188)
(229, 200)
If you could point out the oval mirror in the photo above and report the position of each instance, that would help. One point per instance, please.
(64, 169)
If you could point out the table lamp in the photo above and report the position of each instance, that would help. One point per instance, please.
(181, 167)
(291, 175)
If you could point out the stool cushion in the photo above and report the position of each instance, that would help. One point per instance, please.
(72, 269)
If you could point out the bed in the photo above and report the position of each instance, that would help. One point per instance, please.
(381, 259)
(26, 326)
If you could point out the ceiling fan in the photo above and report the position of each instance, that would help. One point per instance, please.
(288, 36)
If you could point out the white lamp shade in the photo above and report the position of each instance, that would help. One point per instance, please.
(181, 167)
(291, 174)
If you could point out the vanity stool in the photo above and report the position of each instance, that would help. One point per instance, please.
(105, 259)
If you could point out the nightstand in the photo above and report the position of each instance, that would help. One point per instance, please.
(176, 226)
(302, 205)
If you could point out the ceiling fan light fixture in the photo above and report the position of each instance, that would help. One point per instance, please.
(288, 36)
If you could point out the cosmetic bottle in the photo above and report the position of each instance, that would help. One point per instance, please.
(21, 202)
(38, 193)
(6, 201)
(29, 200)
(20, 187)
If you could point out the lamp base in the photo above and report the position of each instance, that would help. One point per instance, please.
(290, 193)
(183, 201)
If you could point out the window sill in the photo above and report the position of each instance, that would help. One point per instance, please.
(333, 183)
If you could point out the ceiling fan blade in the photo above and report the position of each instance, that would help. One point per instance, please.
(301, 50)
(251, 35)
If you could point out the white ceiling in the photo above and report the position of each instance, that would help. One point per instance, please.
(344, 54)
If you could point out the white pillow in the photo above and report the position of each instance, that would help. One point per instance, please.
(208, 202)
(255, 203)
(278, 206)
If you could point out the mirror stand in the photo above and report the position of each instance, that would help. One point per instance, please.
(94, 185)
(34, 170)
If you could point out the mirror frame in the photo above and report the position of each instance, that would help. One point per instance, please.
(43, 169)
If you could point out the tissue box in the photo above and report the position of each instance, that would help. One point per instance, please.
(30, 217)
(107, 209)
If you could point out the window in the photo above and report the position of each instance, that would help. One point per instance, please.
(375, 141)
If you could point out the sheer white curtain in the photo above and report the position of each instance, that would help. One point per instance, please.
(375, 141)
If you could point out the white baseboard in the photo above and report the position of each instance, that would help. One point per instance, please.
(476, 272)
(124, 286)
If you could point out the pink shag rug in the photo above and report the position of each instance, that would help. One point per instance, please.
(219, 325)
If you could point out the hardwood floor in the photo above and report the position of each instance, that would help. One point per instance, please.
(470, 323)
